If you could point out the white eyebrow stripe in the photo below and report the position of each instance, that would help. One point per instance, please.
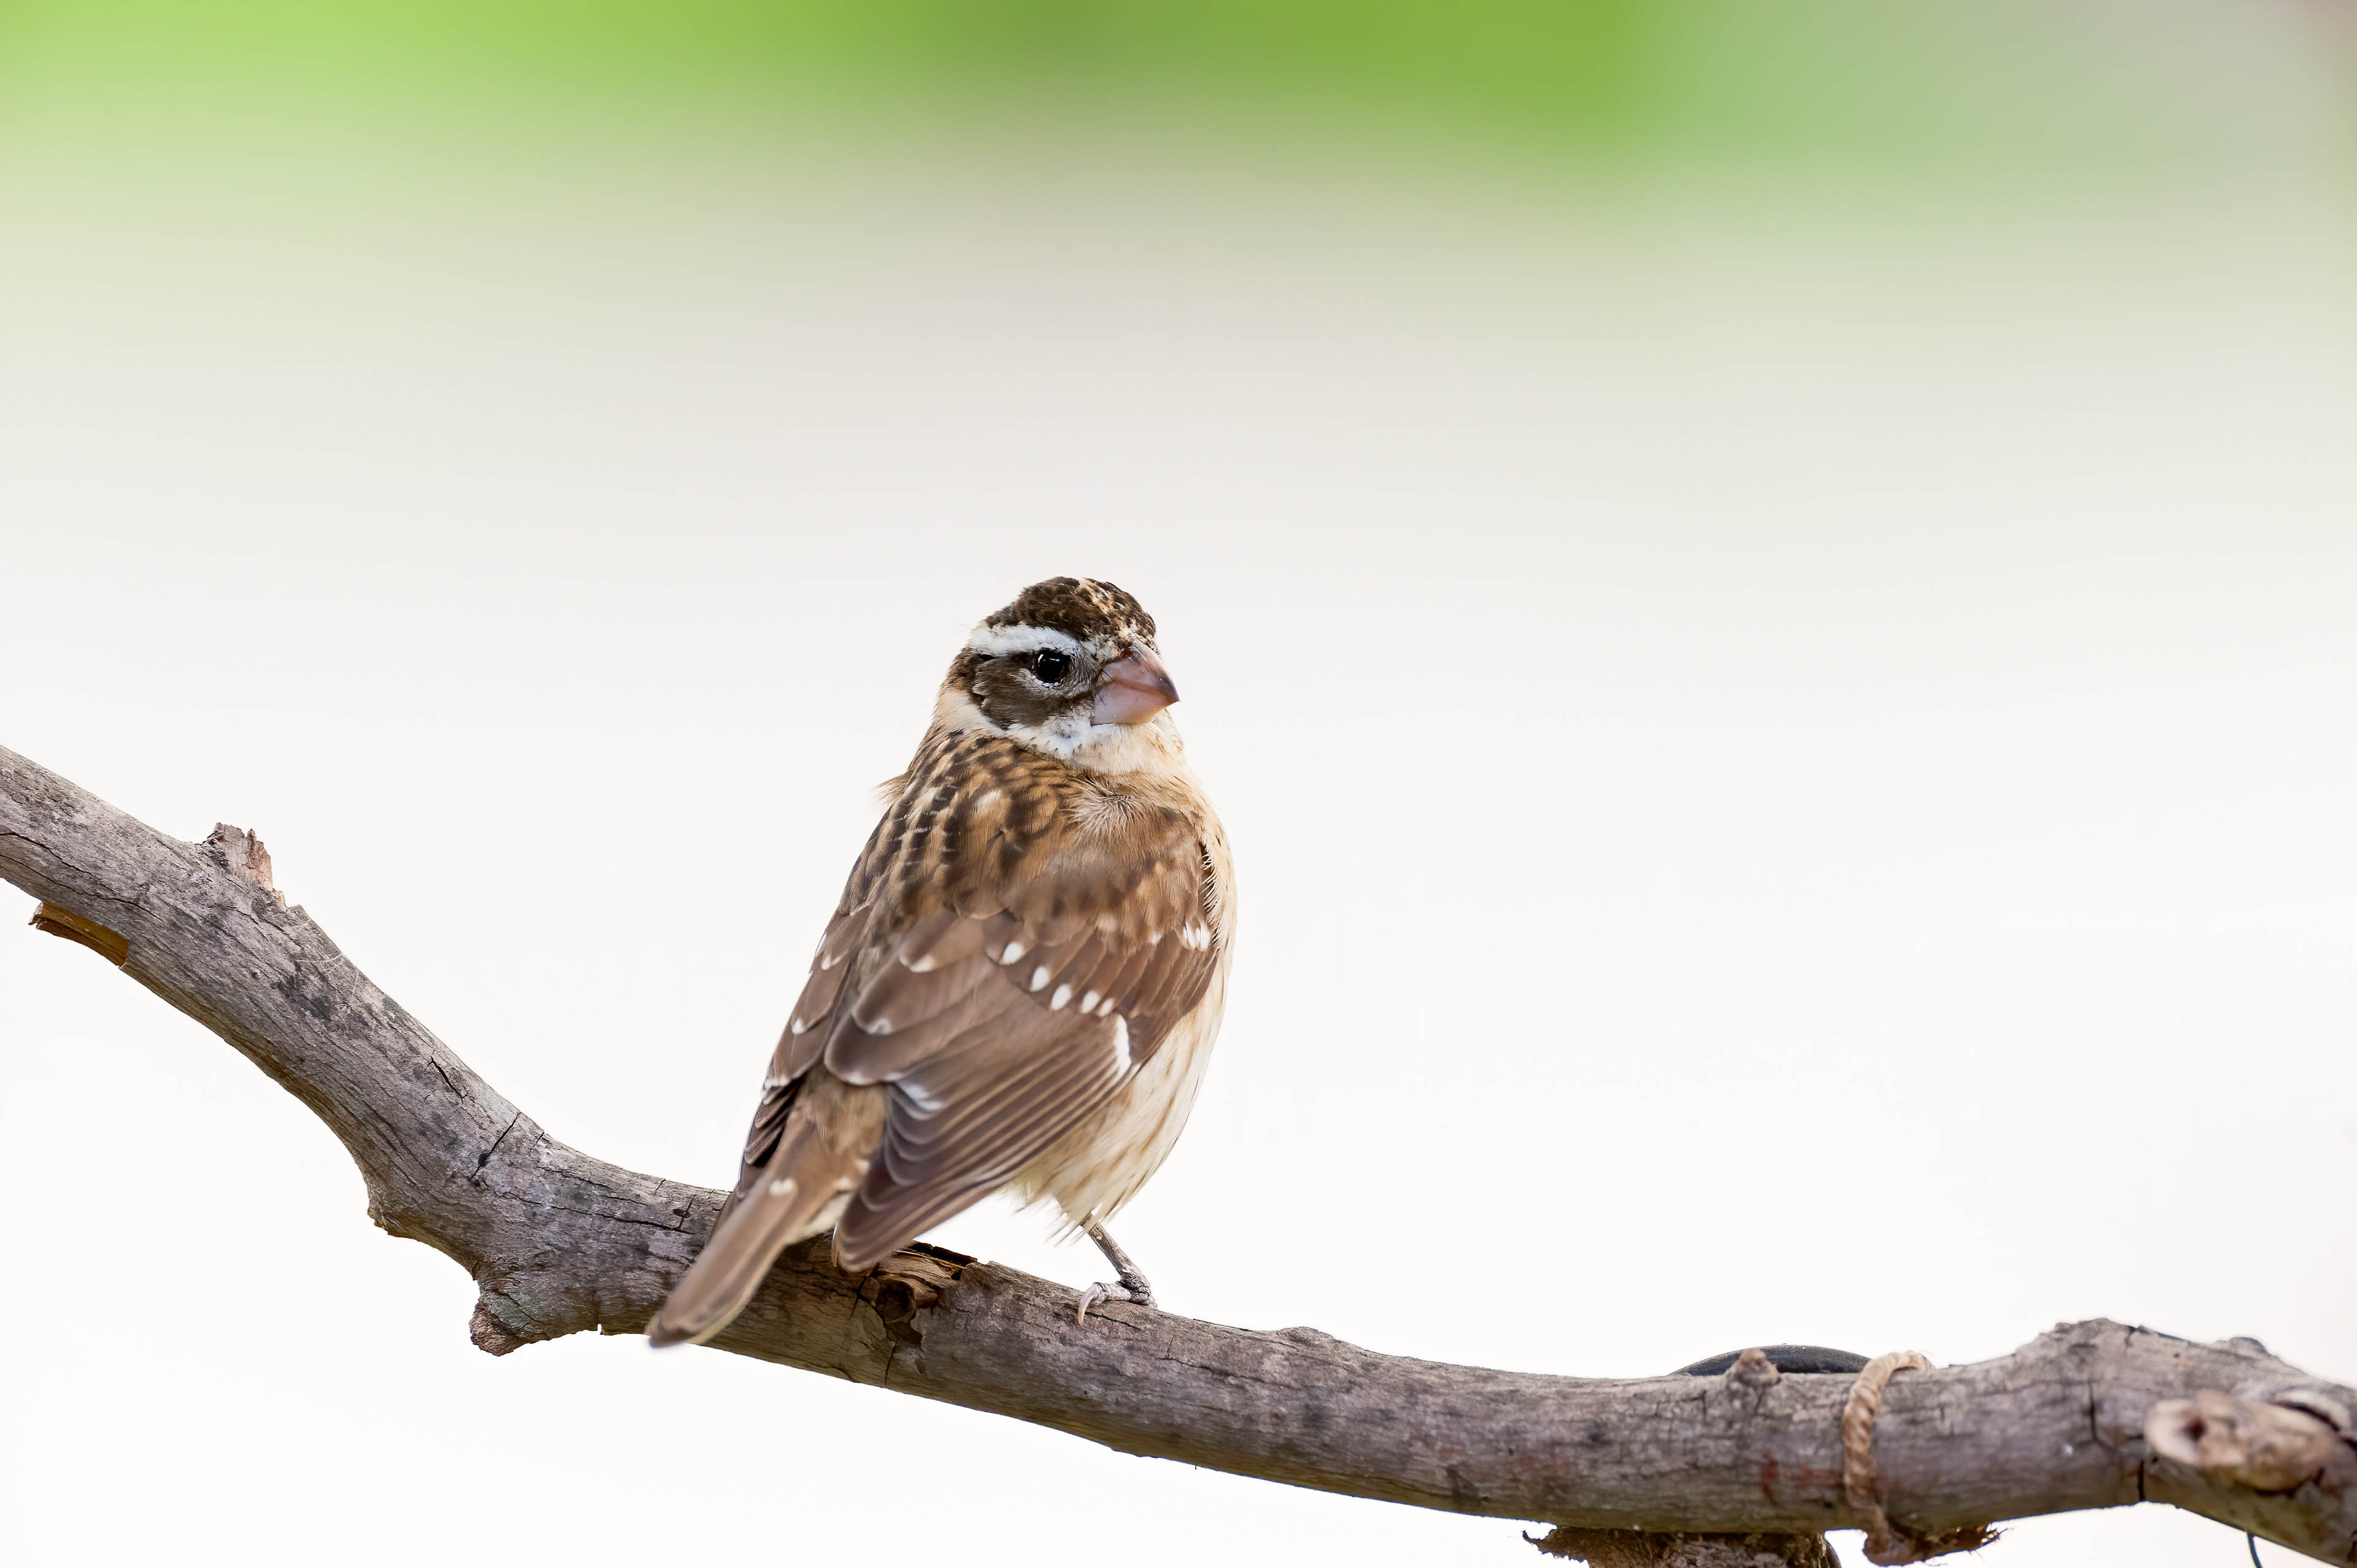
(996, 641)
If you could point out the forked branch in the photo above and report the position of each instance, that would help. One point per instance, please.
(2089, 1415)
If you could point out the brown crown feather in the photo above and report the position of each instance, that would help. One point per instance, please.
(1080, 607)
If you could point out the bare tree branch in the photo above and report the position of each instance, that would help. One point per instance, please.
(2089, 1415)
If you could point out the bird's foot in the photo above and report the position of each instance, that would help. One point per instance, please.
(1133, 1287)
(1136, 1291)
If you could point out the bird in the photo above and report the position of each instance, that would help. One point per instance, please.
(1022, 983)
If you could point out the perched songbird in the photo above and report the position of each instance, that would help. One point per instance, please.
(1020, 987)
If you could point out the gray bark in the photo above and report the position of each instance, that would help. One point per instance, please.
(2089, 1415)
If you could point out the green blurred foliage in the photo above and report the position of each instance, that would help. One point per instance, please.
(1864, 77)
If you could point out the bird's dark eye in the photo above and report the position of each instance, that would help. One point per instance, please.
(1051, 665)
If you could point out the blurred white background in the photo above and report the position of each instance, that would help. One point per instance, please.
(1792, 778)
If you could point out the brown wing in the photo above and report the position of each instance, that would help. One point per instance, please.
(1012, 946)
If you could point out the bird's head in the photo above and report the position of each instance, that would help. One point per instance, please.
(1069, 669)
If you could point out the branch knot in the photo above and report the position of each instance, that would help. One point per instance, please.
(2268, 1447)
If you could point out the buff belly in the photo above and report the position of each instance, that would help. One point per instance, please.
(1100, 1165)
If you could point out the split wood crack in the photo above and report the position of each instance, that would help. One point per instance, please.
(1737, 1467)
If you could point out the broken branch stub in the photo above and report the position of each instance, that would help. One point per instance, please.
(242, 855)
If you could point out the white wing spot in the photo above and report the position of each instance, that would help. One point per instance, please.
(826, 964)
(1056, 1002)
(1039, 978)
(1121, 1045)
(1014, 952)
(1106, 1011)
(782, 1187)
(881, 1026)
(1089, 1002)
(922, 964)
(776, 1080)
(797, 1027)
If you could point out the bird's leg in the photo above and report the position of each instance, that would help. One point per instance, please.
(1132, 1286)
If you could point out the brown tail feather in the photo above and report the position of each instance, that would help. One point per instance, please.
(828, 1140)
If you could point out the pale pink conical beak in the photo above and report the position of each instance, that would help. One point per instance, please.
(1132, 690)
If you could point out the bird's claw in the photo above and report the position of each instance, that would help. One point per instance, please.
(1100, 1293)
(1133, 1287)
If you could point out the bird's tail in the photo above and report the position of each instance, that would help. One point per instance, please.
(823, 1152)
